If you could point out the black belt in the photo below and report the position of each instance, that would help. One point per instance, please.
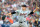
(22, 22)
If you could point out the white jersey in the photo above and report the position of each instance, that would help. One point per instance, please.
(22, 18)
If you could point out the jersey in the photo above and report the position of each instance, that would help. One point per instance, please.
(22, 18)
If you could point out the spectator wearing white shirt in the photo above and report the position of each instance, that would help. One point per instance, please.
(1, 22)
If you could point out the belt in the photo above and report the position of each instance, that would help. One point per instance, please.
(22, 22)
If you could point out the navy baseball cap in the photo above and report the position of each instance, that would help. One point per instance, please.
(24, 6)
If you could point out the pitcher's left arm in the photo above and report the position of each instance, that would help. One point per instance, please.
(34, 11)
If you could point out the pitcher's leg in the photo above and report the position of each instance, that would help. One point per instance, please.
(24, 24)
(15, 24)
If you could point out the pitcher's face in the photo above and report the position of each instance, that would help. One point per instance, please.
(23, 8)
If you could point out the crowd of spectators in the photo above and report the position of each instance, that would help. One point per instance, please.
(6, 6)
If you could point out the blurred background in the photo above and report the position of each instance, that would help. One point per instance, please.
(6, 6)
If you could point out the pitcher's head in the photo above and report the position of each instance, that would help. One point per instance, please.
(24, 7)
